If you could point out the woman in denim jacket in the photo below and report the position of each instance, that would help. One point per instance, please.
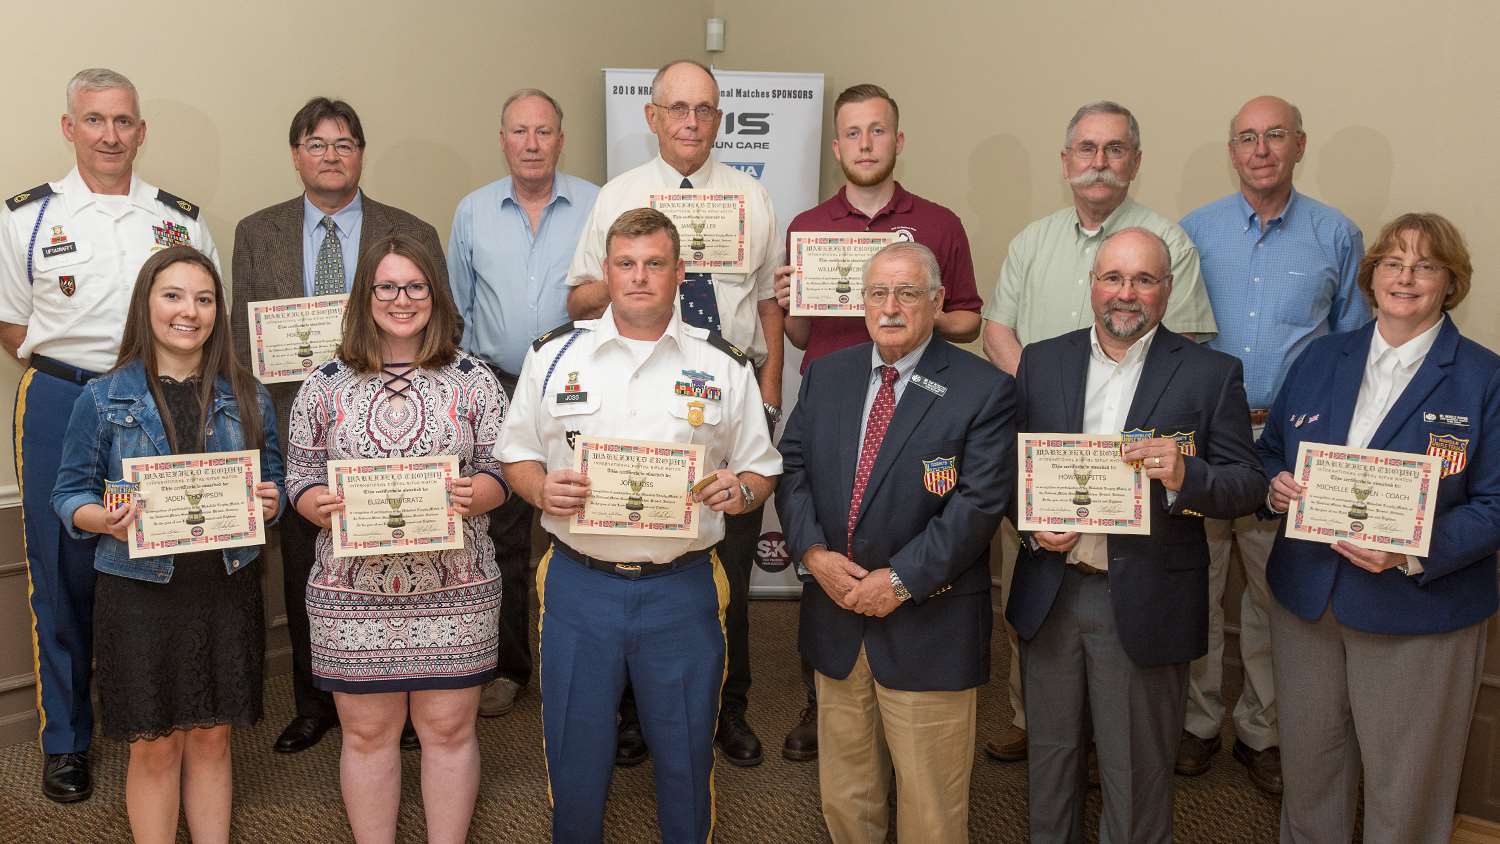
(179, 639)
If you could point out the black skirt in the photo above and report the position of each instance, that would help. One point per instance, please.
(182, 654)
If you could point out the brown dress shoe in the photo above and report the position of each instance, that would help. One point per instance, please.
(1195, 755)
(1009, 747)
(1264, 766)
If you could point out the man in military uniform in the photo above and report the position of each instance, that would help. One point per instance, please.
(69, 254)
(649, 609)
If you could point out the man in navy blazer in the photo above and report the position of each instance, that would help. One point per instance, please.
(1109, 623)
(915, 436)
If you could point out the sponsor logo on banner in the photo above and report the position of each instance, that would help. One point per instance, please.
(753, 168)
(771, 553)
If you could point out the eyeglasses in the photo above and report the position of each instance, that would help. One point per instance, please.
(679, 111)
(1425, 270)
(316, 147)
(1088, 149)
(415, 291)
(906, 295)
(1273, 138)
(1142, 282)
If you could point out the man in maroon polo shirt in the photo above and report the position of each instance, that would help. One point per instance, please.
(867, 139)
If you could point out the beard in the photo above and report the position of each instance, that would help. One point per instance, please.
(868, 180)
(1134, 328)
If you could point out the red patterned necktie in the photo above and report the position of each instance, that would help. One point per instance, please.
(880, 419)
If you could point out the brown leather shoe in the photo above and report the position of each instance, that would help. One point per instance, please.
(1195, 755)
(1264, 766)
(1009, 747)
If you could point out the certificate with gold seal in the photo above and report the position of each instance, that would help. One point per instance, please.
(195, 502)
(288, 337)
(828, 270)
(1381, 500)
(639, 488)
(395, 505)
(1077, 482)
(711, 226)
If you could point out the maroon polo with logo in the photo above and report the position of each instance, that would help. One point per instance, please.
(916, 219)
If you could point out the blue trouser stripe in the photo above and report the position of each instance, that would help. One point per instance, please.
(60, 568)
(665, 634)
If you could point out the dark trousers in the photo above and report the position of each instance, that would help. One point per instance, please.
(298, 537)
(59, 568)
(510, 530)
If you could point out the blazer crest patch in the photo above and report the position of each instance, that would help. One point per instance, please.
(1186, 444)
(940, 474)
(1453, 450)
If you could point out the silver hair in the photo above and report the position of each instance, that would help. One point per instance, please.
(662, 71)
(1166, 253)
(1103, 107)
(100, 79)
(1296, 118)
(927, 261)
(531, 92)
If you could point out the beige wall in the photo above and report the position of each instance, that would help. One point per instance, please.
(986, 89)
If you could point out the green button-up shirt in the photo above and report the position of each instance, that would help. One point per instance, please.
(1043, 290)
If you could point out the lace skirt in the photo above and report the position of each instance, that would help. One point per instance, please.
(182, 654)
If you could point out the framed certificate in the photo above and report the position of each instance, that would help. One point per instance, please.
(639, 488)
(711, 226)
(394, 505)
(1382, 500)
(288, 337)
(195, 502)
(828, 270)
(1077, 482)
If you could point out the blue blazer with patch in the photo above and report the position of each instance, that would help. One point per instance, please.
(933, 532)
(1158, 584)
(1455, 392)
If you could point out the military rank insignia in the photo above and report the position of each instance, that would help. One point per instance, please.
(67, 284)
(1453, 450)
(940, 474)
(171, 234)
(1185, 443)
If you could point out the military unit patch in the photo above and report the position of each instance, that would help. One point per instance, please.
(67, 284)
(1453, 450)
(940, 474)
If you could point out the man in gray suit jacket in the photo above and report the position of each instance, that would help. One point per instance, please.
(309, 246)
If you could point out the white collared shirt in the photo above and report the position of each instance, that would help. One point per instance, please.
(737, 295)
(87, 252)
(1106, 400)
(632, 398)
(1388, 369)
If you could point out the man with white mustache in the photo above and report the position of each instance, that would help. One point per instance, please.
(1043, 289)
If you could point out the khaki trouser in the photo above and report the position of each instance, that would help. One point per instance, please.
(864, 730)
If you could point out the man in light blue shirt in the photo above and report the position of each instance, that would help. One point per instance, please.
(508, 258)
(1280, 270)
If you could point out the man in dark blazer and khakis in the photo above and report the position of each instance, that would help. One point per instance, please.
(309, 246)
(899, 463)
(1109, 623)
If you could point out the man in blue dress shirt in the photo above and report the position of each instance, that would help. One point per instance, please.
(508, 258)
(1280, 271)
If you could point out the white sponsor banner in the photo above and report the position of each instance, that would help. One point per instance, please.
(772, 128)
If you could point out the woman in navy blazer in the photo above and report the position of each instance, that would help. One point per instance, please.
(1379, 653)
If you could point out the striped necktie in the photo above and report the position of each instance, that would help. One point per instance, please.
(328, 273)
(699, 305)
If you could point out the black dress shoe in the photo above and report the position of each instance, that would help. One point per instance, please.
(801, 743)
(65, 777)
(1264, 766)
(409, 740)
(630, 747)
(302, 733)
(1195, 755)
(736, 740)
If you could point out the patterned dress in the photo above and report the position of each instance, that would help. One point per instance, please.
(411, 621)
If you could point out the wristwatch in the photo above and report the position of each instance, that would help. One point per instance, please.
(902, 593)
(773, 412)
(748, 495)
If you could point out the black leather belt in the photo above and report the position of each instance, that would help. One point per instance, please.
(629, 570)
(58, 369)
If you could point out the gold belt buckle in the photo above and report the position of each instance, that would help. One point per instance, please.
(630, 570)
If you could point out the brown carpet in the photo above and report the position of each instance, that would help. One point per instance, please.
(296, 798)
